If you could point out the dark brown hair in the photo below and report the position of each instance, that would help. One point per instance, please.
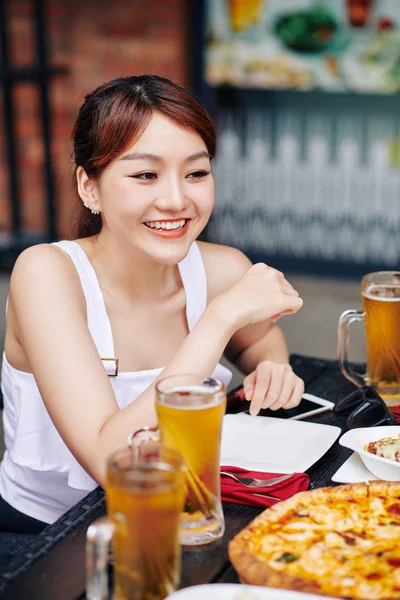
(115, 114)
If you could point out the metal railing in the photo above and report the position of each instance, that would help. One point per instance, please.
(40, 76)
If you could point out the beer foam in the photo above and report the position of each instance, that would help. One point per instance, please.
(380, 292)
(199, 397)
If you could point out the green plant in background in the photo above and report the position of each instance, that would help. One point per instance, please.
(307, 30)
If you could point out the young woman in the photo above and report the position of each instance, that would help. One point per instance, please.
(93, 323)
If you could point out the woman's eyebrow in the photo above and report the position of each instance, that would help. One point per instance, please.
(202, 154)
(141, 156)
(148, 156)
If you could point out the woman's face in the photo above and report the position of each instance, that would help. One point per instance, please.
(157, 196)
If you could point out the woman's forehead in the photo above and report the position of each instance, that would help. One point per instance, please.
(165, 133)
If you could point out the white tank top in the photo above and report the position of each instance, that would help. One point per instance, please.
(38, 475)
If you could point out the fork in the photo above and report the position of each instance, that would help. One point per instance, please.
(255, 483)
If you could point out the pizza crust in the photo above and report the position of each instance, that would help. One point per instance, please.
(253, 569)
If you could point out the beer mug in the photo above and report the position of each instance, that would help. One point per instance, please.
(380, 294)
(190, 410)
(145, 495)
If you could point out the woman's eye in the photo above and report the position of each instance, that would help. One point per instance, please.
(198, 174)
(147, 176)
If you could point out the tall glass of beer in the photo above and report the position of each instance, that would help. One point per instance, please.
(380, 294)
(190, 411)
(145, 495)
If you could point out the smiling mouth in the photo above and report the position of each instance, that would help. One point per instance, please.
(167, 225)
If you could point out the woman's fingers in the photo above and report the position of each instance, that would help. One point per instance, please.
(262, 383)
(287, 387)
(248, 385)
(289, 289)
(273, 386)
(274, 391)
(296, 394)
(281, 314)
(289, 305)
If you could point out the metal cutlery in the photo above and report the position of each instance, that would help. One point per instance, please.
(255, 483)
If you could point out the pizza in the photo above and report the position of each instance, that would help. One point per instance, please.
(387, 447)
(336, 541)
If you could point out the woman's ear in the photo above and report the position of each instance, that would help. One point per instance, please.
(88, 190)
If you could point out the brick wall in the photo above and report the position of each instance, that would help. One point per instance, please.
(96, 40)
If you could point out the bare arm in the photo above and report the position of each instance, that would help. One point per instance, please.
(258, 349)
(253, 343)
(50, 317)
(49, 320)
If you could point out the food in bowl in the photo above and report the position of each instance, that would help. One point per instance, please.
(336, 541)
(386, 447)
(357, 439)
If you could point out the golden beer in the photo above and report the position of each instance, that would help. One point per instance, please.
(190, 421)
(380, 292)
(381, 303)
(145, 495)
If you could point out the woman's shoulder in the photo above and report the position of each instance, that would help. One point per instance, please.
(41, 257)
(41, 265)
(224, 265)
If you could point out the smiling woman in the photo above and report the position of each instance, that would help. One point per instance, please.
(94, 323)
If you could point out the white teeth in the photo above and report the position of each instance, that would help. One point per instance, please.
(166, 224)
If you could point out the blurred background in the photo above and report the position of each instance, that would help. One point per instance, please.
(304, 94)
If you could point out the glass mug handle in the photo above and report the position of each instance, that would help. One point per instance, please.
(98, 546)
(345, 320)
(141, 436)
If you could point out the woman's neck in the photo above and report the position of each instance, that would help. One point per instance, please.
(136, 276)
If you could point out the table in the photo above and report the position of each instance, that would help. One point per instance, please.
(51, 567)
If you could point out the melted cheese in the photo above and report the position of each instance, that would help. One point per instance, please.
(359, 543)
(386, 448)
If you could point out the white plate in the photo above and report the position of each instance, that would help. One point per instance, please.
(355, 439)
(272, 445)
(235, 591)
(353, 471)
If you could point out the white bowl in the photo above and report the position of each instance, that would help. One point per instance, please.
(383, 468)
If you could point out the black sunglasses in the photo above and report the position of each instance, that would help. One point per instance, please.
(368, 409)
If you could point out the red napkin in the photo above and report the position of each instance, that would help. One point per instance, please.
(233, 491)
(396, 413)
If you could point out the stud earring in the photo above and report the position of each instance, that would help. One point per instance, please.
(95, 212)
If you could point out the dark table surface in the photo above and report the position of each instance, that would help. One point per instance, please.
(52, 566)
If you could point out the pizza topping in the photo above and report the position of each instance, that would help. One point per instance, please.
(347, 581)
(394, 562)
(377, 505)
(301, 511)
(342, 549)
(349, 539)
(287, 557)
(333, 539)
(374, 576)
(394, 509)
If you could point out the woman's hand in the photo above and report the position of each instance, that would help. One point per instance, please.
(272, 385)
(261, 293)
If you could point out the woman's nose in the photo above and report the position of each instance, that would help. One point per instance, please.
(173, 198)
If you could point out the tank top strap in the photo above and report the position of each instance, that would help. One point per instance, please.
(97, 318)
(194, 279)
